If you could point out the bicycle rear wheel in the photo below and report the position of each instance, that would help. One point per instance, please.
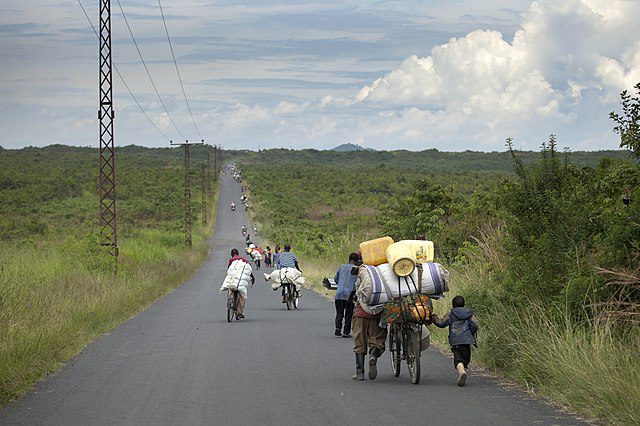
(288, 297)
(296, 299)
(231, 309)
(413, 354)
(395, 350)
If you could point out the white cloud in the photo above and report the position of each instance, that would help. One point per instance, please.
(561, 49)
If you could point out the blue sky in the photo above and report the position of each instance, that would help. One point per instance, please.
(454, 74)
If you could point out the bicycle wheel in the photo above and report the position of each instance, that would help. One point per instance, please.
(395, 350)
(413, 355)
(288, 297)
(230, 306)
(296, 299)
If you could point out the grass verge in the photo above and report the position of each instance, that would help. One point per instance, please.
(58, 295)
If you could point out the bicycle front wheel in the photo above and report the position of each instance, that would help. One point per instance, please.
(413, 355)
(395, 350)
(230, 307)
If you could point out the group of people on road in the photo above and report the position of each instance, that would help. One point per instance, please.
(356, 320)
(370, 336)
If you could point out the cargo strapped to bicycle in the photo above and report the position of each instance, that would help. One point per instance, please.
(409, 303)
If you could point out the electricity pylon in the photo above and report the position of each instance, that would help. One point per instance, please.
(188, 222)
(106, 115)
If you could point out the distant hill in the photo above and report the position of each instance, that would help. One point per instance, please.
(349, 147)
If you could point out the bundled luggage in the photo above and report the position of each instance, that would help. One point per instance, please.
(284, 276)
(238, 277)
(402, 282)
(383, 284)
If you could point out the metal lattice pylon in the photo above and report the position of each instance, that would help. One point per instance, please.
(188, 220)
(203, 189)
(108, 216)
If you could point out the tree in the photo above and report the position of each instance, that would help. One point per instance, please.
(629, 122)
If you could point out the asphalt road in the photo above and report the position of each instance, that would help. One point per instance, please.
(180, 362)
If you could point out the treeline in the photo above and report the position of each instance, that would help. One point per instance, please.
(47, 190)
(428, 161)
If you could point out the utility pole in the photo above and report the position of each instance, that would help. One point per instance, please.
(106, 115)
(203, 189)
(215, 162)
(187, 190)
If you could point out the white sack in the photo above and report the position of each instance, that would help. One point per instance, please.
(285, 275)
(238, 277)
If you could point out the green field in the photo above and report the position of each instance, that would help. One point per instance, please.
(57, 291)
(526, 236)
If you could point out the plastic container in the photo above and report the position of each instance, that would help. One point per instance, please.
(401, 258)
(423, 250)
(374, 252)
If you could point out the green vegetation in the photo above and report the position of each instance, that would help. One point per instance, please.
(57, 292)
(544, 246)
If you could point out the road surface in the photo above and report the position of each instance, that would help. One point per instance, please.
(180, 362)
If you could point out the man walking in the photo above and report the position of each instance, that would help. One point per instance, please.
(345, 294)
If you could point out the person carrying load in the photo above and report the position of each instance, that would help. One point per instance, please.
(235, 256)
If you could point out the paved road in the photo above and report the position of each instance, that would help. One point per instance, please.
(180, 362)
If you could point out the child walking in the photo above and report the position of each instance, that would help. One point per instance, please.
(462, 334)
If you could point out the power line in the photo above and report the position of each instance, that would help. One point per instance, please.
(177, 71)
(147, 70)
(122, 78)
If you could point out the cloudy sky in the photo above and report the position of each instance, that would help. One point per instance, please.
(412, 74)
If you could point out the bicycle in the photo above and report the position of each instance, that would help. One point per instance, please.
(404, 344)
(291, 295)
(232, 304)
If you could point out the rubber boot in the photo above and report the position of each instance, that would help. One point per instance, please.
(462, 374)
(359, 367)
(374, 354)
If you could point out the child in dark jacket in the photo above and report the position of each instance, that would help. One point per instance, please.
(462, 330)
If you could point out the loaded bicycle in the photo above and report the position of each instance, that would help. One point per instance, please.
(408, 315)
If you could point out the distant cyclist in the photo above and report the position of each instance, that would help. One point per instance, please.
(233, 206)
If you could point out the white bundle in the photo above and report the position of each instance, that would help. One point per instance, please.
(285, 276)
(435, 281)
(238, 277)
(256, 255)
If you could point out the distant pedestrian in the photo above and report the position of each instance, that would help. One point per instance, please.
(267, 256)
(276, 256)
(345, 295)
(462, 334)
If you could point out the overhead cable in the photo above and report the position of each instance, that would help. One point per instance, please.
(126, 21)
(177, 71)
(122, 78)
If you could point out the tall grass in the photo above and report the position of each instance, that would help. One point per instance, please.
(592, 367)
(58, 295)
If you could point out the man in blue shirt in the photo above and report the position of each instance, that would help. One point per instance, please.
(345, 295)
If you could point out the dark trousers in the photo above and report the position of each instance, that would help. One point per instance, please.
(461, 354)
(344, 310)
